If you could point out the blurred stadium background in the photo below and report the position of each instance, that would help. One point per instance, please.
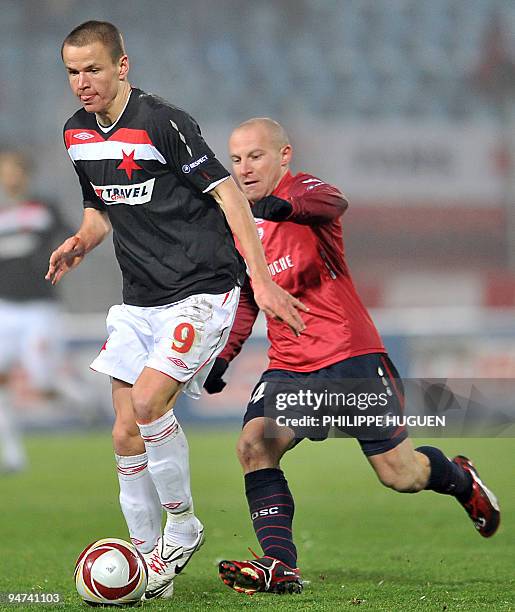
(408, 106)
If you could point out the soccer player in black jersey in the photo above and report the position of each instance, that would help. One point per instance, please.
(147, 173)
(29, 312)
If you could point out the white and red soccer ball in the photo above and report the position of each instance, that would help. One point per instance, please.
(111, 572)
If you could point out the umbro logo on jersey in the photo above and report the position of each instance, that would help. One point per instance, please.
(137, 193)
(83, 136)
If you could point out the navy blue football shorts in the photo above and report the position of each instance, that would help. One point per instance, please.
(369, 376)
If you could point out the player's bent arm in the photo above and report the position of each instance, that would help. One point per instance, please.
(273, 300)
(93, 230)
(317, 206)
(240, 219)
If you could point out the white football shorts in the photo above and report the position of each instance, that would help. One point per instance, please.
(181, 339)
(30, 335)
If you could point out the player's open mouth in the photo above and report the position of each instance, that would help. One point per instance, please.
(249, 183)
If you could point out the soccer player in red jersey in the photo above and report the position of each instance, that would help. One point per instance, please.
(147, 174)
(299, 222)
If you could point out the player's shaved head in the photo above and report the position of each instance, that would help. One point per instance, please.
(260, 152)
(275, 130)
(97, 31)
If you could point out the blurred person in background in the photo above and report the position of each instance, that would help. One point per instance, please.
(147, 174)
(298, 220)
(30, 322)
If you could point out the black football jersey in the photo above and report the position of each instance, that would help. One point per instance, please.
(29, 231)
(152, 171)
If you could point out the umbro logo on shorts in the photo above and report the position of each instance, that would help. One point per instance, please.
(178, 362)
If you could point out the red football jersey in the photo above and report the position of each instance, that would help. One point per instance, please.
(305, 256)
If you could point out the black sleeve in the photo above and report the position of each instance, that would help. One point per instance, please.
(186, 151)
(90, 198)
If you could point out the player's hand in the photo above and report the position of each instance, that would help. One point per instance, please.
(214, 381)
(279, 304)
(65, 258)
(272, 209)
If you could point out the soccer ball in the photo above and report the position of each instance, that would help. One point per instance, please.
(110, 572)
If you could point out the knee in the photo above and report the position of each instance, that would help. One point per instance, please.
(144, 405)
(126, 438)
(252, 452)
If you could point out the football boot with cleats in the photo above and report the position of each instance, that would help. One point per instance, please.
(482, 506)
(263, 575)
(165, 562)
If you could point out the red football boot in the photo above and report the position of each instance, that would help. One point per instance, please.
(263, 575)
(482, 507)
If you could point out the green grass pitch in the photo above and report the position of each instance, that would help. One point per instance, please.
(360, 545)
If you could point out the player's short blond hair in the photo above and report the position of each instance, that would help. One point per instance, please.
(97, 31)
(276, 130)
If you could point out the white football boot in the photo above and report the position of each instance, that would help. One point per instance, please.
(165, 562)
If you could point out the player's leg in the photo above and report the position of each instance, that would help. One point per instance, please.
(410, 470)
(270, 501)
(405, 469)
(13, 455)
(42, 350)
(153, 397)
(123, 357)
(260, 447)
(187, 337)
(401, 468)
(138, 497)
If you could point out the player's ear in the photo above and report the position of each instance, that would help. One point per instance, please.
(286, 155)
(123, 67)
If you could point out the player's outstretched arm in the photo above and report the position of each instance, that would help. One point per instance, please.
(95, 227)
(317, 205)
(270, 298)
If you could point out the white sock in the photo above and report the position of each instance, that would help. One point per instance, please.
(182, 528)
(139, 501)
(13, 453)
(168, 464)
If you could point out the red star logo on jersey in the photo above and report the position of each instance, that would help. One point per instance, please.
(128, 164)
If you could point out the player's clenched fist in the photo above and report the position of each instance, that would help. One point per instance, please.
(65, 258)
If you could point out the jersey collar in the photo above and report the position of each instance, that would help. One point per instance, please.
(107, 129)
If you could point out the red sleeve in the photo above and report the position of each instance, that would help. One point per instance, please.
(245, 317)
(317, 204)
